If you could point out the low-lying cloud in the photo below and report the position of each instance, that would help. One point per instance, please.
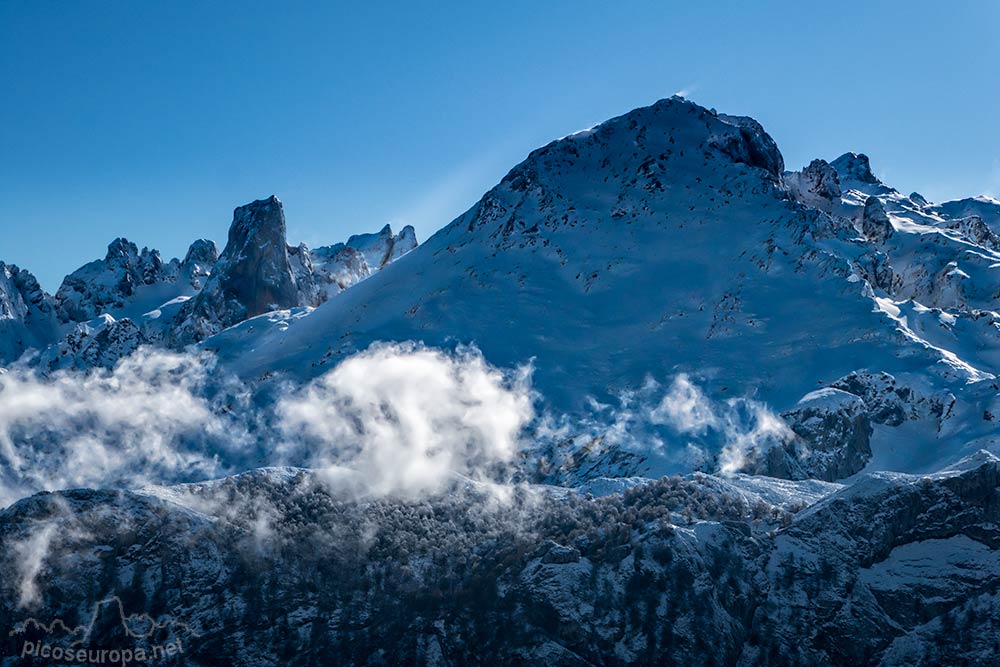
(394, 420)
(407, 419)
(147, 420)
(685, 408)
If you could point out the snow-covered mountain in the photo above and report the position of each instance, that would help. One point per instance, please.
(258, 272)
(811, 355)
(666, 242)
(670, 240)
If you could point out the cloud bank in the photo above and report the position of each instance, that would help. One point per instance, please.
(395, 420)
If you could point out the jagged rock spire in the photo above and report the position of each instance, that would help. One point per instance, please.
(252, 276)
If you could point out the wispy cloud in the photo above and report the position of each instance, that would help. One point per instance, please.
(454, 192)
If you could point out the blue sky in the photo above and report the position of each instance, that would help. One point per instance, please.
(154, 120)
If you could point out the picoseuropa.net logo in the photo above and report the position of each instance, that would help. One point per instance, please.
(110, 638)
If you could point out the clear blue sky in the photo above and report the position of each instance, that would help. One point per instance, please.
(154, 120)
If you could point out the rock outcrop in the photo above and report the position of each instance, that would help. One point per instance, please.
(817, 181)
(108, 285)
(875, 224)
(855, 168)
(99, 343)
(253, 275)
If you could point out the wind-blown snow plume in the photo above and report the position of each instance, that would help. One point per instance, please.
(147, 419)
(403, 419)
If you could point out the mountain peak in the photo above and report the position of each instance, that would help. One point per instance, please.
(27, 313)
(121, 247)
(855, 167)
(382, 247)
(253, 275)
(202, 251)
(261, 220)
(758, 149)
(818, 180)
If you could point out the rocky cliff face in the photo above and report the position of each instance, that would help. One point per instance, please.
(817, 182)
(336, 267)
(252, 276)
(198, 263)
(830, 439)
(28, 316)
(381, 248)
(855, 168)
(875, 223)
(98, 344)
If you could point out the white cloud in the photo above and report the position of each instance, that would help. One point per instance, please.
(685, 408)
(396, 419)
(145, 420)
(441, 201)
(403, 419)
(29, 559)
(30, 554)
(749, 427)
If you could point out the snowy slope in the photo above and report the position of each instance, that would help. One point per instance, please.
(641, 246)
(984, 207)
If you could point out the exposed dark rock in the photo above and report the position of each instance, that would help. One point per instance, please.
(28, 316)
(253, 275)
(875, 224)
(820, 179)
(756, 149)
(855, 167)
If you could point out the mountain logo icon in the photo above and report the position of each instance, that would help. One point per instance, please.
(110, 637)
